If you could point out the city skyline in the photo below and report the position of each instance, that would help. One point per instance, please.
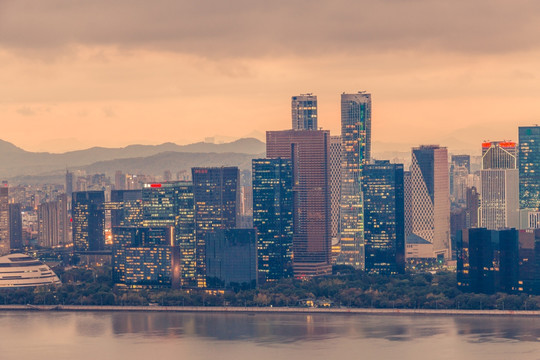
(438, 73)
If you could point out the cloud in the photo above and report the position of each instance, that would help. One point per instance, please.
(247, 28)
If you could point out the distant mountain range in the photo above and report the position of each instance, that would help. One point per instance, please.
(148, 159)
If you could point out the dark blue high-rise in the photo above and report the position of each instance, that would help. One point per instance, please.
(273, 216)
(384, 217)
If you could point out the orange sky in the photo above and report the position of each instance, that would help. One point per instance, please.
(77, 74)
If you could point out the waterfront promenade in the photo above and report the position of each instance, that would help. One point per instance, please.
(270, 310)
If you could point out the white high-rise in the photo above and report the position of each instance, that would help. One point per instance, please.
(499, 189)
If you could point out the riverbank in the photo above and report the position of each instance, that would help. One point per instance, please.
(269, 310)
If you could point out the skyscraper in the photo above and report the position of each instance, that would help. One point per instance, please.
(273, 216)
(4, 219)
(460, 168)
(309, 152)
(216, 195)
(529, 167)
(304, 112)
(144, 257)
(88, 220)
(335, 182)
(488, 260)
(126, 208)
(69, 183)
(15, 226)
(499, 178)
(428, 199)
(231, 257)
(120, 180)
(53, 222)
(356, 152)
(171, 204)
(384, 228)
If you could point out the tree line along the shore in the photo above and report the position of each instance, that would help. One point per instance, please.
(347, 288)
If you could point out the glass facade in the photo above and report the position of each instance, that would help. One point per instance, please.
(488, 261)
(145, 257)
(172, 204)
(356, 152)
(309, 152)
(384, 228)
(529, 167)
(126, 208)
(231, 257)
(273, 216)
(216, 197)
(88, 213)
(304, 112)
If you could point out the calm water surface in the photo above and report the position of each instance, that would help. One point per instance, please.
(151, 336)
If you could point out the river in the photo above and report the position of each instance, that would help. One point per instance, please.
(28, 335)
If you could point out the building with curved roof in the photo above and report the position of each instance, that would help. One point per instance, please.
(20, 270)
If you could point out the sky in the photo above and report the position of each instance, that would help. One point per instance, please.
(76, 74)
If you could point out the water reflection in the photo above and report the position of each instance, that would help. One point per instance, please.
(100, 335)
(491, 329)
(290, 328)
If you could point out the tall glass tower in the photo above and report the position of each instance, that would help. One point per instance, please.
(529, 167)
(356, 152)
(309, 152)
(273, 216)
(304, 112)
(171, 204)
(384, 227)
(215, 192)
(88, 220)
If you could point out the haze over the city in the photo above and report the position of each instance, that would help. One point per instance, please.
(77, 74)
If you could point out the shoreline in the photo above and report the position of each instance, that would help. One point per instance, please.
(267, 310)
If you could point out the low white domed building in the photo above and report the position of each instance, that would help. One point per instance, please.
(20, 270)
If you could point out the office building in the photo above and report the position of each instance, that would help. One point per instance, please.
(216, 193)
(460, 167)
(53, 222)
(144, 257)
(492, 261)
(428, 202)
(529, 167)
(231, 257)
(126, 208)
(356, 152)
(88, 220)
(15, 226)
(529, 261)
(4, 219)
(472, 208)
(499, 178)
(120, 180)
(335, 183)
(304, 112)
(172, 205)
(69, 183)
(462, 161)
(309, 152)
(384, 228)
(273, 216)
